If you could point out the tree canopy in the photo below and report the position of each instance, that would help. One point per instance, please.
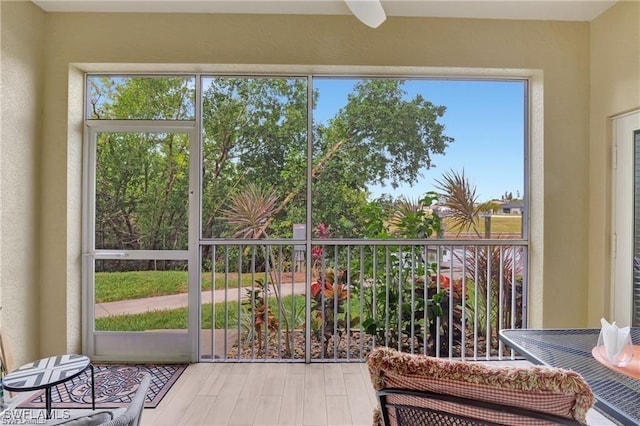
(254, 138)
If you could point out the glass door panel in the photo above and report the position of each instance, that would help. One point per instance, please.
(142, 190)
(137, 249)
(624, 289)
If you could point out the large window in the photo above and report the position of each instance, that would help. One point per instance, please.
(384, 152)
(301, 216)
(112, 97)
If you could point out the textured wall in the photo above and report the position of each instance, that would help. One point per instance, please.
(22, 71)
(555, 54)
(559, 51)
(615, 89)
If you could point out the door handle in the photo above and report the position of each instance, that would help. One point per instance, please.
(109, 254)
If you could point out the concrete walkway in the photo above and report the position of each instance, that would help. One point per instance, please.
(174, 301)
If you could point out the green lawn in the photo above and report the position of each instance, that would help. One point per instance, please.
(177, 318)
(172, 319)
(500, 224)
(113, 286)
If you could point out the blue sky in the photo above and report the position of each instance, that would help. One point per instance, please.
(485, 118)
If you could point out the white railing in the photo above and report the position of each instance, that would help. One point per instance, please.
(445, 298)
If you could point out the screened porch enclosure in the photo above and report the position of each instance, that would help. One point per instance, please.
(295, 218)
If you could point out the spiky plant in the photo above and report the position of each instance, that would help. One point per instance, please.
(493, 271)
(458, 194)
(250, 210)
(414, 218)
(405, 208)
(249, 215)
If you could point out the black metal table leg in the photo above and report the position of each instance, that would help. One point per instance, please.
(47, 399)
(93, 388)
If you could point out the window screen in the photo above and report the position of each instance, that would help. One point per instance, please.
(636, 231)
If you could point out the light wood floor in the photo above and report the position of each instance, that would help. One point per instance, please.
(275, 394)
(267, 394)
(272, 394)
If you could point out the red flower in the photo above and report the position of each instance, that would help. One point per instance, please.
(322, 230)
(316, 288)
(445, 282)
(316, 252)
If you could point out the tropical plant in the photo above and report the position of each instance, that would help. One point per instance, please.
(249, 215)
(413, 219)
(477, 311)
(249, 211)
(317, 252)
(483, 292)
(404, 313)
(404, 302)
(263, 321)
(458, 194)
(329, 320)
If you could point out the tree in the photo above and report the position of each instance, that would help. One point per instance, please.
(254, 131)
(380, 136)
(142, 179)
(490, 207)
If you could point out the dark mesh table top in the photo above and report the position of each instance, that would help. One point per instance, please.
(617, 395)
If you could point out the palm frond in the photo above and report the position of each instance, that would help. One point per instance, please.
(405, 207)
(459, 195)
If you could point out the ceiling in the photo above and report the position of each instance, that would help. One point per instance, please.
(560, 10)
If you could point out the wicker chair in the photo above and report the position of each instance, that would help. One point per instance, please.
(420, 390)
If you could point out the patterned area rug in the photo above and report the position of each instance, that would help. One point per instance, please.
(115, 386)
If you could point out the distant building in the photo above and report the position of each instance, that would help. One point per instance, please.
(511, 207)
(441, 211)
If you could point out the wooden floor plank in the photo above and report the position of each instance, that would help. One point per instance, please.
(292, 408)
(359, 400)
(338, 412)
(186, 389)
(350, 367)
(315, 405)
(268, 410)
(275, 378)
(196, 414)
(214, 383)
(272, 394)
(220, 411)
(297, 368)
(245, 408)
(366, 377)
(333, 380)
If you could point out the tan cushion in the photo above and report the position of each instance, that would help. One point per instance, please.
(545, 389)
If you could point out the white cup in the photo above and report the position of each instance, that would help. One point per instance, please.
(623, 356)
